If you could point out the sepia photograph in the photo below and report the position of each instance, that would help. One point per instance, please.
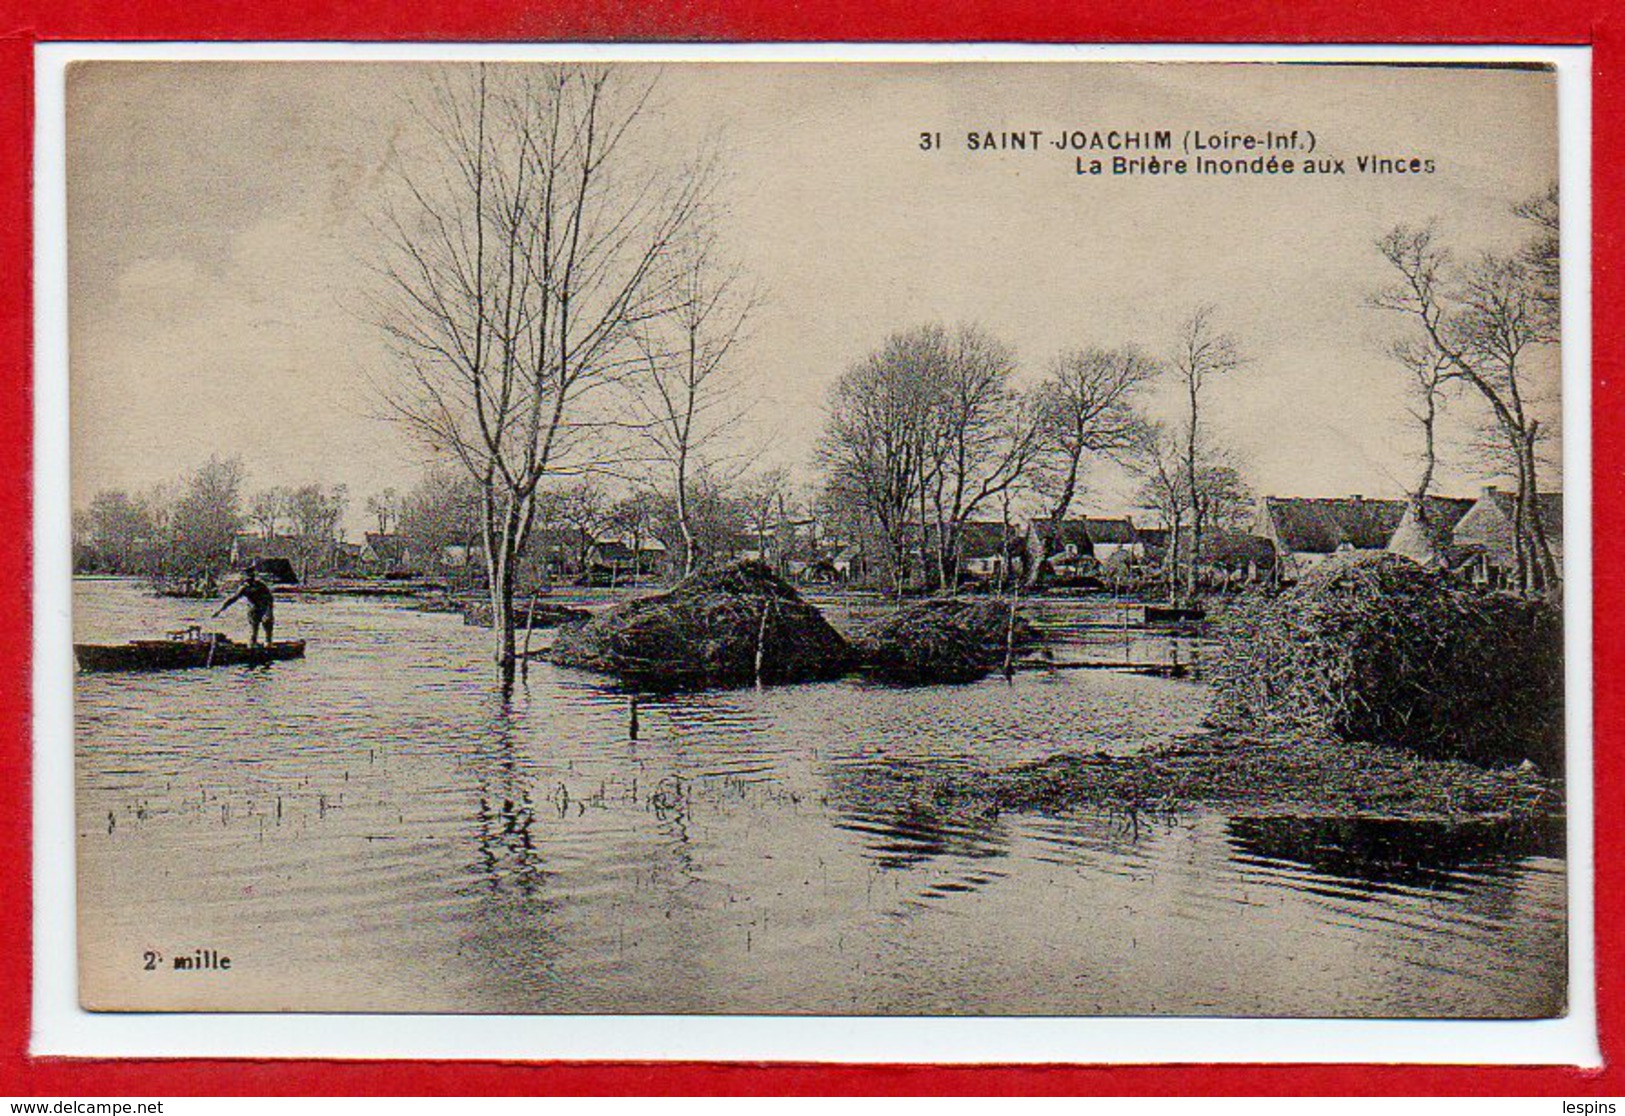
(850, 538)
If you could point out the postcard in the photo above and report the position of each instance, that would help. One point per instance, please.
(957, 538)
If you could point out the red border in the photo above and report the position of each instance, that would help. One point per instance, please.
(25, 22)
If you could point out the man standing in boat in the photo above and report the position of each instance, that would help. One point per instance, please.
(261, 606)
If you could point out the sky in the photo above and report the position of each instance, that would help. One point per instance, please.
(221, 229)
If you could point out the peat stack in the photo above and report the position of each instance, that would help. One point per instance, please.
(948, 640)
(1378, 648)
(726, 627)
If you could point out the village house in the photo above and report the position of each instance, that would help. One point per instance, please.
(1083, 547)
(248, 548)
(1130, 567)
(1426, 533)
(787, 545)
(555, 554)
(1153, 545)
(829, 560)
(1305, 532)
(1486, 542)
(384, 554)
(986, 548)
(278, 556)
(618, 558)
(1236, 557)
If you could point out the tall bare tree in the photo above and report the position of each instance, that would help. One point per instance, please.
(315, 512)
(1541, 257)
(1161, 460)
(268, 509)
(524, 251)
(875, 444)
(682, 388)
(1086, 409)
(764, 497)
(584, 510)
(1202, 354)
(207, 515)
(1429, 376)
(385, 509)
(1484, 322)
(982, 437)
(118, 528)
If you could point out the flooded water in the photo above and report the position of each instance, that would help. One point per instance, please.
(374, 827)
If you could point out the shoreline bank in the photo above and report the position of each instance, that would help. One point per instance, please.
(1252, 776)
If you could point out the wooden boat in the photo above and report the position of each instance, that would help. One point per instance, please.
(183, 650)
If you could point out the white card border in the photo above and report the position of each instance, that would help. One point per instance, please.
(60, 1027)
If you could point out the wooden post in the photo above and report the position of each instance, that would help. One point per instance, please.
(1010, 638)
(761, 639)
(530, 621)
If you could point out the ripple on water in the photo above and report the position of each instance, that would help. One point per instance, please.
(375, 827)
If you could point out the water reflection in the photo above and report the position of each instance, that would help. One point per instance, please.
(1375, 853)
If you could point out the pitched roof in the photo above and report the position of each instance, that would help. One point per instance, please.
(985, 539)
(1548, 505)
(1323, 526)
(386, 548)
(1446, 511)
(1440, 514)
(553, 540)
(1118, 531)
(1056, 536)
(1237, 550)
(613, 550)
(252, 548)
(1153, 538)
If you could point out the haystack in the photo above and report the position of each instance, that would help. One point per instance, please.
(949, 640)
(730, 626)
(1377, 648)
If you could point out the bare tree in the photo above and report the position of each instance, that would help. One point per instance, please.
(981, 436)
(1541, 257)
(160, 503)
(1165, 489)
(682, 390)
(385, 509)
(635, 518)
(1202, 354)
(268, 509)
(117, 528)
(1429, 377)
(525, 253)
(207, 515)
(1483, 322)
(1086, 409)
(315, 512)
(442, 510)
(716, 517)
(875, 442)
(764, 497)
(1161, 460)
